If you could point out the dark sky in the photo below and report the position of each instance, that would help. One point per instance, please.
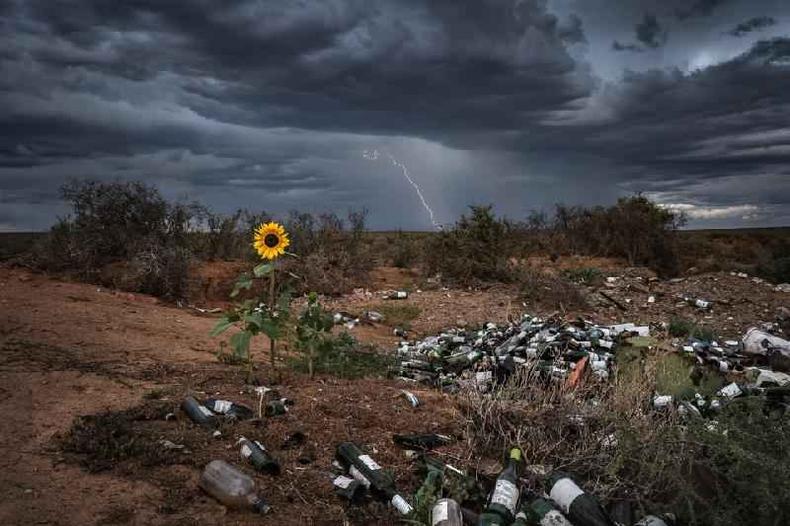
(272, 104)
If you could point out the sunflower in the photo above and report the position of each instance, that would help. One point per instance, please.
(270, 240)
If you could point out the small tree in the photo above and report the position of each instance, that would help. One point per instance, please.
(314, 328)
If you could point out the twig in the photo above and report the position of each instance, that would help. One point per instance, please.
(616, 303)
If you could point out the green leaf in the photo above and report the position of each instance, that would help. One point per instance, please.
(244, 282)
(255, 318)
(223, 324)
(263, 269)
(240, 343)
(270, 328)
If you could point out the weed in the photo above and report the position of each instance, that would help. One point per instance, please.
(681, 327)
(343, 356)
(584, 275)
(103, 441)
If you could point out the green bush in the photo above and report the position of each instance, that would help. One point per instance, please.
(635, 229)
(475, 250)
(404, 251)
(344, 357)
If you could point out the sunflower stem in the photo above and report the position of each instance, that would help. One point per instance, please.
(272, 345)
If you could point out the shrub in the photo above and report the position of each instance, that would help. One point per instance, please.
(635, 229)
(122, 222)
(332, 257)
(708, 474)
(551, 292)
(475, 250)
(404, 251)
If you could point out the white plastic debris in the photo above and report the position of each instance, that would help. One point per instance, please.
(757, 342)
(623, 327)
(662, 401)
(167, 444)
(375, 316)
(730, 391)
(772, 377)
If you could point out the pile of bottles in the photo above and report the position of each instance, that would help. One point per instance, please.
(462, 358)
(759, 346)
(560, 502)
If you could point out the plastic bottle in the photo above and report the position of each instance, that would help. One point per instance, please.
(231, 487)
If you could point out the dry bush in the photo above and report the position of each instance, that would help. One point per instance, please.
(122, 222)
(550, 291)
(603, 434)
(733, 473)
(332, 254)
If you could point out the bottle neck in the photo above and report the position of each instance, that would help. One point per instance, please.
(258, 504)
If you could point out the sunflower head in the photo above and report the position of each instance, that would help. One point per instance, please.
(270, 240)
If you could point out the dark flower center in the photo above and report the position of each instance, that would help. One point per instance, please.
(271, 240)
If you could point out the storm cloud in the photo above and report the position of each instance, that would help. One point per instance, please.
(753, 24)
(269, 105)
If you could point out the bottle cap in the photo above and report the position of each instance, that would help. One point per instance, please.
(515, 454)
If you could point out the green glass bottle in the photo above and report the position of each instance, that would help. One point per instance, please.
(351, 456)
(581, 508)
(504, 499)
(537, 511)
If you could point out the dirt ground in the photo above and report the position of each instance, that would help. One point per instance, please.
(70, 350)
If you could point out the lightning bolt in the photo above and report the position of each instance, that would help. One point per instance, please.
(374, 155)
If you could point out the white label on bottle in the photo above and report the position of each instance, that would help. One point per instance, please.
(246, 451)
(222, 406)
(342, 482)
(564, 492)
(554, 518)
(369, 462)
(260, 445)
(440, 513)
(403, 507)
(505, 494)
(354, 472)
(205, 410)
